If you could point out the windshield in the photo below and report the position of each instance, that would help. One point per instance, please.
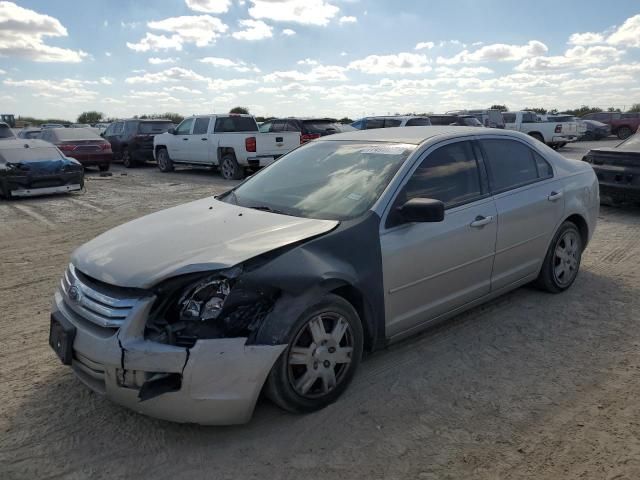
(324, 180)
(154, 127)
(631, 144)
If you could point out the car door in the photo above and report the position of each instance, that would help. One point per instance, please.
(530, 204)
(177, 143)
(198, 143)
(430, 269)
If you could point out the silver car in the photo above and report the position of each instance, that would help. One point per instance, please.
(344, 245)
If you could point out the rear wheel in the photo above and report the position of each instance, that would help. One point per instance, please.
(164, 162)
(230, 169)
(562, 262)
(127, 160)
(537, 136)
(104, 168)
(324, 350)
(624, 132)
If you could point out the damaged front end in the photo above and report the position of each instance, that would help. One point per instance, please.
(215, 305)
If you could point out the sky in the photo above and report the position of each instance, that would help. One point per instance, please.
(315, 57)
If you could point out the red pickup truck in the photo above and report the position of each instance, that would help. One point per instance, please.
(622, 124)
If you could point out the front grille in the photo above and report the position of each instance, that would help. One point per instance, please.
(105, 306)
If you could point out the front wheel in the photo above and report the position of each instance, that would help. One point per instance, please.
(562, 262)
(164, 162)
(324, 350)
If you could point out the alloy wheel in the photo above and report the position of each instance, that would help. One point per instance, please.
(320, 355)
(566, 258)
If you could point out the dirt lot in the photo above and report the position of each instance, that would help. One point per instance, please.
(529, 386)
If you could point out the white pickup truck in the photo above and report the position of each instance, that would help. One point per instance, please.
(230, 142)
(554, 134)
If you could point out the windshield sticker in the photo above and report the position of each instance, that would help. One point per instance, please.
(354, 196)
(385, 150)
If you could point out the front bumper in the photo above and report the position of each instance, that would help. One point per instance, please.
(31, 184)
(219, 379)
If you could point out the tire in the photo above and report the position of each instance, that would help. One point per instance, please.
(317, 367)
(229, 168)
(164, 162)
(624, 132)
(104, 168)
(537, 136)
(127, 160)
(562, 262)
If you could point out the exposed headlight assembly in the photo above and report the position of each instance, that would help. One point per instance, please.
(205, 300)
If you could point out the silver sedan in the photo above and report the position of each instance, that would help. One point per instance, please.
(344, 245)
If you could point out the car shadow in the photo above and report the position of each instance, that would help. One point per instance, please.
(497, 369)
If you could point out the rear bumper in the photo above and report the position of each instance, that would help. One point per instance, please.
(141, 153)
(564, 139)
(261, 160)
(620, 183)
(90, 159)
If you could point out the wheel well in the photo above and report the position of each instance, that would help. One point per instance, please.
(160, 147)
(222, 151)
(583, 228)
(354, 297)
(536, 134)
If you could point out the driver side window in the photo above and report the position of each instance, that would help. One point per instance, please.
(185, 127)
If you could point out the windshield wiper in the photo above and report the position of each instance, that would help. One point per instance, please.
(264, 208)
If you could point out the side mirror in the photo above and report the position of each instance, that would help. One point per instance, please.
(172, 131)
(422, 210)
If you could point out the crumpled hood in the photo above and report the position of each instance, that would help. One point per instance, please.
(203, 235)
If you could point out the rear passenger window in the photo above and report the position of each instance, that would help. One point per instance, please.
(278, 126)
(511, 164)
(418, 122)
(449, 174)
(201, 126)
(392, 122)
(374, 123)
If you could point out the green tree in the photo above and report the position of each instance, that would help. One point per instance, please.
(583, 110)
(345, 120)
(243, 110)
(539, 110)
(90, 117)
(613, 109)
(502, 108)
(635, 107)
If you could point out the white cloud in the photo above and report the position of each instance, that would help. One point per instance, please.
(407, 63)
(253, 30)
(22, 33)
(106, 80)
(306, 12)
(108, 54)
(320, 73)
(288, 32)
(162, 61)
(154, 43)
(220, 84)
(209, 6)
(67, 88)
(182, 89)
(462, 72)
(425, 45)
(497, 52)
(237, 65)
(348, 19)
(586, 38)
(628, 35)
(575, 57)
(199, 29)
(172, 74)
(307, 61)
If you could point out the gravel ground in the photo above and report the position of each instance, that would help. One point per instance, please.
(529, 386)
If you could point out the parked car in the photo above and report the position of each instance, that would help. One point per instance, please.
(458, 120)
(230, 142)
(82, 144)
(189, 313)
(596, 130)
(489, 118)
(132, 140)
(6, 133)
(554, 134)
(30, 132)
(33, 167)
(51, 125)
(369, 123)
(622, 124)
(309, 128)
(618, 169)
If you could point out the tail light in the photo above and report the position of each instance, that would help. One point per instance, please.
(105, 146)
(66, 147)
(558, 128)
(250, 144)
(307, 137)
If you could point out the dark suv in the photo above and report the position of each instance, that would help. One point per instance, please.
(309, 128)
(132, 140)
(622, 124)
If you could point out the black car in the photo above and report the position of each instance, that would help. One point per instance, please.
(618, 169)
(132, 140)
(459, 120)
(36, 167)
(309, 128)
(596, 130)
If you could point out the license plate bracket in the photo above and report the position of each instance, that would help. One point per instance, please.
(61, 336)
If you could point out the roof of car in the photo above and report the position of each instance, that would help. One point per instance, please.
(414, 135)
(24, 143)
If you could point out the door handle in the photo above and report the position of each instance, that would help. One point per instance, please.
(185, 138)
(554, 196)
(279, 139)
(204, 139)
(481, 221)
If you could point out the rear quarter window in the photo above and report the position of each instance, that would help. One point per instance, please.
(418, 122)
(236, 124)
